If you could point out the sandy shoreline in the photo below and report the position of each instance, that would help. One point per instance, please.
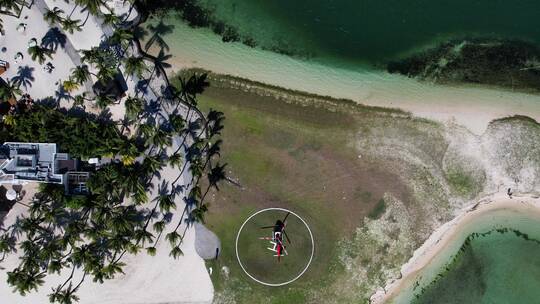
(450, 236)
(471, 106)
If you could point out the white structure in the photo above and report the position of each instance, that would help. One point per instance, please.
(21, 163)
(30, 162)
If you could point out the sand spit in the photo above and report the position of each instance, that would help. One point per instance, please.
(449, 237)
(471, 106)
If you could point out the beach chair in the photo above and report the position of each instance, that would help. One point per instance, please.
(4, 66)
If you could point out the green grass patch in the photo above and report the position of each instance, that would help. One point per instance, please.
(303, 158)
(379, 210)
(461, 182)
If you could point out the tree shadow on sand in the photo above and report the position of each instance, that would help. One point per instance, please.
(54, 38)
(24, 77)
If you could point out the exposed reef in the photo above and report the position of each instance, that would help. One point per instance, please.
(510, 64)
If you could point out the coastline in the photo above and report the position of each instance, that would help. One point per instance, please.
(444, 242)
(471, 106)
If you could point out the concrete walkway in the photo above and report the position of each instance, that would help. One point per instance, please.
(207, 244)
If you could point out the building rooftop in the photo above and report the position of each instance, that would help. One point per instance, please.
(29, 162)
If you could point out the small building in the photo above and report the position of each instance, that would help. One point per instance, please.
(21, 163)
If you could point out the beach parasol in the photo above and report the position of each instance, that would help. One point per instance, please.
(11, 194)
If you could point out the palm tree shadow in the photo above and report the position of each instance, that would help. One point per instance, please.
(141, 87)
(151, 107)
(158, 31)
(24, 77)
(62, 94)
(54, 38)
(140, 32)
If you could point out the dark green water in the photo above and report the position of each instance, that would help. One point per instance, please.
(373, 30)
(497, 268)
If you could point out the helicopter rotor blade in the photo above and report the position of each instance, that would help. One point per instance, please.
(286, 236)
(285, 218)
(266, 227)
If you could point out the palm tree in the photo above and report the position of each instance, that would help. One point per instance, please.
(196, 84)
(177, 122)
(53, 16)
(126, 123)
(91, 6)
(151, 164)
(121, 37)
(197, 214)
(146, 131)
(64, 296)
(196, 168)
(135, 66)
(127, 160)
(216, 175)
(40, 53)
(79, 100)
(110, 19)
(9, 120)
(166, 202)
(176, 160)
(212, 150)
(9, 7)
(103, 101)
(176, 252)
(24, 281)
(92, 55)
(80, 74)
(214, 123)
(71, 25)
(70, 85)
(106, 73)
(161, 138)
(8, 91)
(134, 106)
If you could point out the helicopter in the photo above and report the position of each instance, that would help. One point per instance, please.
(276, 240)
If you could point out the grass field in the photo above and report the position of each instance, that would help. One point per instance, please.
(372, 184)
(303, 158)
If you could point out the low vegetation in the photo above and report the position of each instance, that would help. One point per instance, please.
(460, 182)
(293, 155)
(381, 178)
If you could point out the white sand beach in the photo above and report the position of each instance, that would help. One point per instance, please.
(473, 107)
(497, 210)
(40, 83)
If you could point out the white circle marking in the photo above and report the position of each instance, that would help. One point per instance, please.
(275, 284)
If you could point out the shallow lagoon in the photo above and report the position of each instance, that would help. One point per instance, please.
(498, 267)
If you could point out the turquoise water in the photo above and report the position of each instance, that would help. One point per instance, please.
(373, 30)
(496, 268)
